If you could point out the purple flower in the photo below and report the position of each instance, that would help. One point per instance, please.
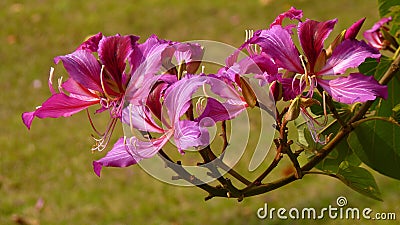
(374, 35)
(105, 80)
(91, 81)
(315, 67)
(186, 56)
(185, 133)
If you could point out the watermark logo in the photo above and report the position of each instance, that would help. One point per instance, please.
(339, 211)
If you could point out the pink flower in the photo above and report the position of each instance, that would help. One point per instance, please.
(374, 35)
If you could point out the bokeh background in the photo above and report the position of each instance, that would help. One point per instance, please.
(46, 175)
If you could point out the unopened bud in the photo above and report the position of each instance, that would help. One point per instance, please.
(308, 102)
(294, 110)
(276, 90)
(321, 61)
(248, 93)
(335, 43)
(353, 30)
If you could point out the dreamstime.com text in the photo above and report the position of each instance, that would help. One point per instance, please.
(331, 212)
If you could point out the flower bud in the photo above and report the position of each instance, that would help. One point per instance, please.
(308, 102)
(353, 30)
(248, 93)
(294, 110)
(339, 39)
(276, 90)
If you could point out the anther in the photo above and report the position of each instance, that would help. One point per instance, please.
(50, 82)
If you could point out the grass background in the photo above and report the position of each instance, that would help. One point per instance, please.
(52, 163)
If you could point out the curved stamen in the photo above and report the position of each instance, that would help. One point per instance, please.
(295, 77)
(102, 142)
(102, 84)
(92, 124)
(311, 127)
(200, 104)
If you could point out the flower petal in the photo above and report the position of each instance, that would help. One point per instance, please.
(118, 156)
(92, 43)
(349, 54)
(140, 149)
(354, 88)
(76, 90)
(374, 36)
(290, 88)
(188, 53)
(56, 106)
(139, 117)
(189, 134)
(113, 53)
(179, 94)
(277, 43)
(217, 111)
(83, 67)
(293, 14)
(312, 35)
(146, 63)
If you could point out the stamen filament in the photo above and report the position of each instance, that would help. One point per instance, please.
(92, 124)
(102, 85)
(102, 142)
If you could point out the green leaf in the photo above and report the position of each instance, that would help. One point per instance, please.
(319, 109)
(342, 151)
(395, 23)
(377, 144)
(359, 179)
(379, 71)
(385, 5)
(383, 66)
(368, 67)
(385, 107)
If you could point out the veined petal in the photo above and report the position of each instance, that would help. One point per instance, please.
(354, 88)
(146, 149)
(189, 53)
(76, 90)
(312, 35)
(374, 36)
(349, 54)
(83, 67)
(146, 63)
(140, 118)
(56, 106)
(118, 156)
(146, 57)
(113, 53)
(179, 94)
(218, 111)
(190, 134)
(277, 43)
(293, 14)
(153, 100)
(222, 88)
(92, 43)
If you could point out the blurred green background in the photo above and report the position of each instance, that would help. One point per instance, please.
(46, 175)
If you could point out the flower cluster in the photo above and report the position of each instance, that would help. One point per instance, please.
(150, 86)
